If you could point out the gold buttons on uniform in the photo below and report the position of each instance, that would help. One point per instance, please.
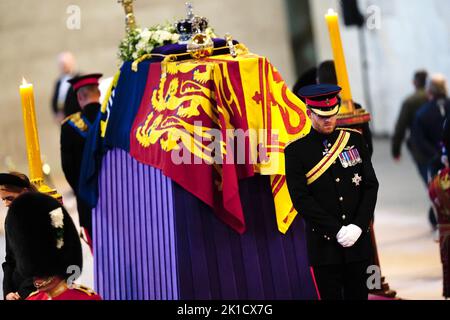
(337, 179)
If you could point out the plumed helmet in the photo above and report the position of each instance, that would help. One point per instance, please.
(42, 237)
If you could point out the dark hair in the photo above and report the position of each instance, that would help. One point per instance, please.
(326, 73)
(17, 189)
(306, 78)
(420, 78)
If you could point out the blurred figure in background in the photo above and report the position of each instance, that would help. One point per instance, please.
(409, 108)
(15, 285)
(427, 130)
(326, 74)
(64, 99)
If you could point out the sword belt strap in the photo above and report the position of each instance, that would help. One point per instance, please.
(329, 158)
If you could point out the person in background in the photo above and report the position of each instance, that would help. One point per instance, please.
(74, 131)
(306, 78)
(64, 99)
(409, 108)
(47, 247)
(326, 74)
(15, 285)
(427, 131)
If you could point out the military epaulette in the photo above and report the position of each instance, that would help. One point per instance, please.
(350, 129)
(292, 141)
(69, 117)
(33, 293)
(84, 289)
(77, 121)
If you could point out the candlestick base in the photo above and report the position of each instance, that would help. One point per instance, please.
(350, 116)
(43, 188)
(385, 291)
(347, 107)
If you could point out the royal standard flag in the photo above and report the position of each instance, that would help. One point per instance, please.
(208, 123)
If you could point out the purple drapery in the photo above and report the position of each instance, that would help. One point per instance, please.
(154, 240)
(133, 231)
(215, 262)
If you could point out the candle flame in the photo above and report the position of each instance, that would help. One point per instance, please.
(24, 82)
(331, 12)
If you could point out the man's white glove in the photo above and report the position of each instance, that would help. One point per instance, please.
(348, 235)
(341, 232)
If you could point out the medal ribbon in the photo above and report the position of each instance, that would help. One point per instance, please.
(329, 158)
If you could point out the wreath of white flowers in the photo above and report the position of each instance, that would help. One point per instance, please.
(57, 220)
(139, 42)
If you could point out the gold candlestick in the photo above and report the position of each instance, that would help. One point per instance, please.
(339, 60)
(129, 14)
(348, 114)
(32, 140)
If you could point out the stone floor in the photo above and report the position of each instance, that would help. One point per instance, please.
(409, 257)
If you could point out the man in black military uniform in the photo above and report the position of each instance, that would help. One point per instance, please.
(332, 185)
(73, 136)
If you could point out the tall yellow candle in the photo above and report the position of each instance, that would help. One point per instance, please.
(339, 60)
(31, 132)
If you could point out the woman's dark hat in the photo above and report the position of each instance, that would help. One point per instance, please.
(13, 180)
